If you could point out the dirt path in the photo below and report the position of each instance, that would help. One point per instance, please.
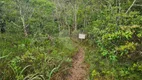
(79, 69)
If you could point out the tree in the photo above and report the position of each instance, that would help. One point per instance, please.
(2, 21)
(25, 13)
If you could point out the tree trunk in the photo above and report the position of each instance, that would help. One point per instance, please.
(24, 27)
(25, 32)
(75, 18)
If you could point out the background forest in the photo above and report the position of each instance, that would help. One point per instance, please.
(39, 37)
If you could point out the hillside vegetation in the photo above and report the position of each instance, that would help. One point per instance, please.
(39, 39)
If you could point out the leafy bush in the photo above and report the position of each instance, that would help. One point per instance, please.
(37, 57)
(117, 46)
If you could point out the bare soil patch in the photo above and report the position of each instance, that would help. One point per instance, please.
(79, 69)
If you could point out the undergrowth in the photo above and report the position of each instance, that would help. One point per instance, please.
(38, 57)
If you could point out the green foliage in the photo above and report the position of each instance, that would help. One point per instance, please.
(32, 58)
(115, 35)
(118, 45)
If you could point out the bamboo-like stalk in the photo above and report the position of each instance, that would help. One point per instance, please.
(131, 6)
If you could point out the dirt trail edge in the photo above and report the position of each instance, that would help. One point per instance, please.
(79, 69)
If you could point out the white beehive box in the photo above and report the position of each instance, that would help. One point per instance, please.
(82, 36)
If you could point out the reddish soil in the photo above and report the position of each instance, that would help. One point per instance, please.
(79, 69)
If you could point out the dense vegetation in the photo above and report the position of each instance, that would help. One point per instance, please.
(37, 38)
